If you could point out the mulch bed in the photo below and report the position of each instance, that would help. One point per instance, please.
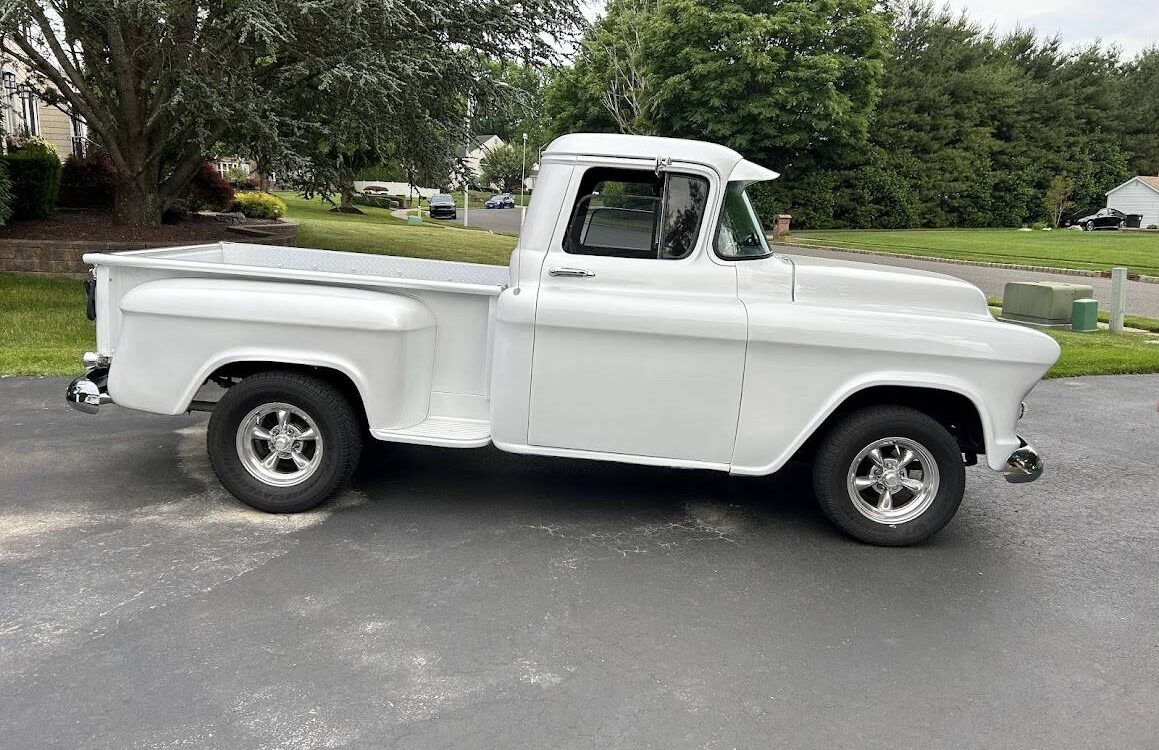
(98, 226)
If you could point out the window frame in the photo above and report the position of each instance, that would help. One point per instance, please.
(572, 228)
(720, 217)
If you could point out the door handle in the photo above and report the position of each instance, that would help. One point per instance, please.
(575, 272)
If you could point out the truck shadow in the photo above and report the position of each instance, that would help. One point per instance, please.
(494, 483)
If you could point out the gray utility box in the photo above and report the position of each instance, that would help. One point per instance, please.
(1043, 302)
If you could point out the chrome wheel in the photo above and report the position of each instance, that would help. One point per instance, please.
(893, 480)
(279, 444)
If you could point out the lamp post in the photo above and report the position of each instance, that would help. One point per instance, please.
(523, 185)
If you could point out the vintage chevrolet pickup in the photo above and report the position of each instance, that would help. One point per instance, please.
(644, 318)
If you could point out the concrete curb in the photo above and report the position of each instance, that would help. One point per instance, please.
(1144, 278)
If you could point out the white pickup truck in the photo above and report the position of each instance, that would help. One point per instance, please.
(644, 318)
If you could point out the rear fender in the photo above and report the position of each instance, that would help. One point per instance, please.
(177, 332)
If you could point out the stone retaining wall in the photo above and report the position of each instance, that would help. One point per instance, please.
(57, 257)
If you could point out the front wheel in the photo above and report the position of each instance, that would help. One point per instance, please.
(282, 442)
(889, 475)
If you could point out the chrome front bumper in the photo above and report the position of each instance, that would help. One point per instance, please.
(1024, 464)
(90, 392)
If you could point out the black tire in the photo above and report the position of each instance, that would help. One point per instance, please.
(834, 466)
(331, 412)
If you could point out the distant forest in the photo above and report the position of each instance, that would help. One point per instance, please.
(912, 116)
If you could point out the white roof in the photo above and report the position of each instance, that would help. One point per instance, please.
(727, 163)
(1151, 182)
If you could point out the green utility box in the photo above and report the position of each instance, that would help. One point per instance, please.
(1044, 303)
(1084, 315)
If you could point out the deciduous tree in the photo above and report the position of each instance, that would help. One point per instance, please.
(161, 82)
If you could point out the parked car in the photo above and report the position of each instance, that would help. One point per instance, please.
(1108, 218)
(643, 319)
(375, 190)
(442, 206)
(503, 200)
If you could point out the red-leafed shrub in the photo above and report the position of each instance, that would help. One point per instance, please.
(209, 191)
(88, 181)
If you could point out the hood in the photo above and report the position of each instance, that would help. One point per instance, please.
(849, 284)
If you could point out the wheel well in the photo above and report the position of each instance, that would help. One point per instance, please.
(953, 411)
(233, 373)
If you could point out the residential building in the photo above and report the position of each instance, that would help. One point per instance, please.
(23, 113)
(470, 157)
(1138, 195)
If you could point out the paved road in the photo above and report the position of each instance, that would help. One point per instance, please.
(1142, 299)
(476, 599)
(500, 221)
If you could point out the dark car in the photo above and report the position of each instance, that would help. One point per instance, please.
(443, 207)
(503, 200)
(1107, 218)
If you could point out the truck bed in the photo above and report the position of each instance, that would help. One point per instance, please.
(303, 264)
(462, 297)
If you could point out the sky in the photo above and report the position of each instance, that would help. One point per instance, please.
(1132, 24)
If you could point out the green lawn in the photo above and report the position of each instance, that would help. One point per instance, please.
(379, 232)
(43, 328)
(1102, 353)
(1063, 248)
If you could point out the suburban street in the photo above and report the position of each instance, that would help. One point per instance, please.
(479, 599)
(1142, 298)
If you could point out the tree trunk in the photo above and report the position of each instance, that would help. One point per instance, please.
(137, 205)
(346, 203)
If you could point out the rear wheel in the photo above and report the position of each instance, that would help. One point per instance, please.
(889, 475)
(282, 442)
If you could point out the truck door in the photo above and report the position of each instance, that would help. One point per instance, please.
(639, 335)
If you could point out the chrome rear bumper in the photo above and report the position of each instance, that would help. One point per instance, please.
(90, 392)
(1024, 464)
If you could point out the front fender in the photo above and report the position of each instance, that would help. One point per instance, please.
(177, 332)
(804, 361)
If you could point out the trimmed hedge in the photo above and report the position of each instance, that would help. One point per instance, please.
(35, 176)
(5, 194)
(88, 181)
(377, 201)
(259, 205)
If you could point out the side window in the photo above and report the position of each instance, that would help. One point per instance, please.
(626, 213)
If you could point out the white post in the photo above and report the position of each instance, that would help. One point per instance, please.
(523, 185)
(1118, 298)
(466, 205)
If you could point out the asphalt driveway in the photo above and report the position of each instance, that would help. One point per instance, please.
(477, 599)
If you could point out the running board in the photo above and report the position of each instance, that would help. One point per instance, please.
(445, 431)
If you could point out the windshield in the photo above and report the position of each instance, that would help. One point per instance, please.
(443, 198)
(739, 235)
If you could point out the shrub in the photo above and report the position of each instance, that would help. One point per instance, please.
(381, 173)
(208, 191)
(377, 201)
(88, 181)
(35, 174)
(1153, 226)
(5, 194)
(259, 205)
(1039, 225)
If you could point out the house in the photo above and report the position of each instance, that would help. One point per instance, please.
(23, 113)
(470, 157)
(1138, 195)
